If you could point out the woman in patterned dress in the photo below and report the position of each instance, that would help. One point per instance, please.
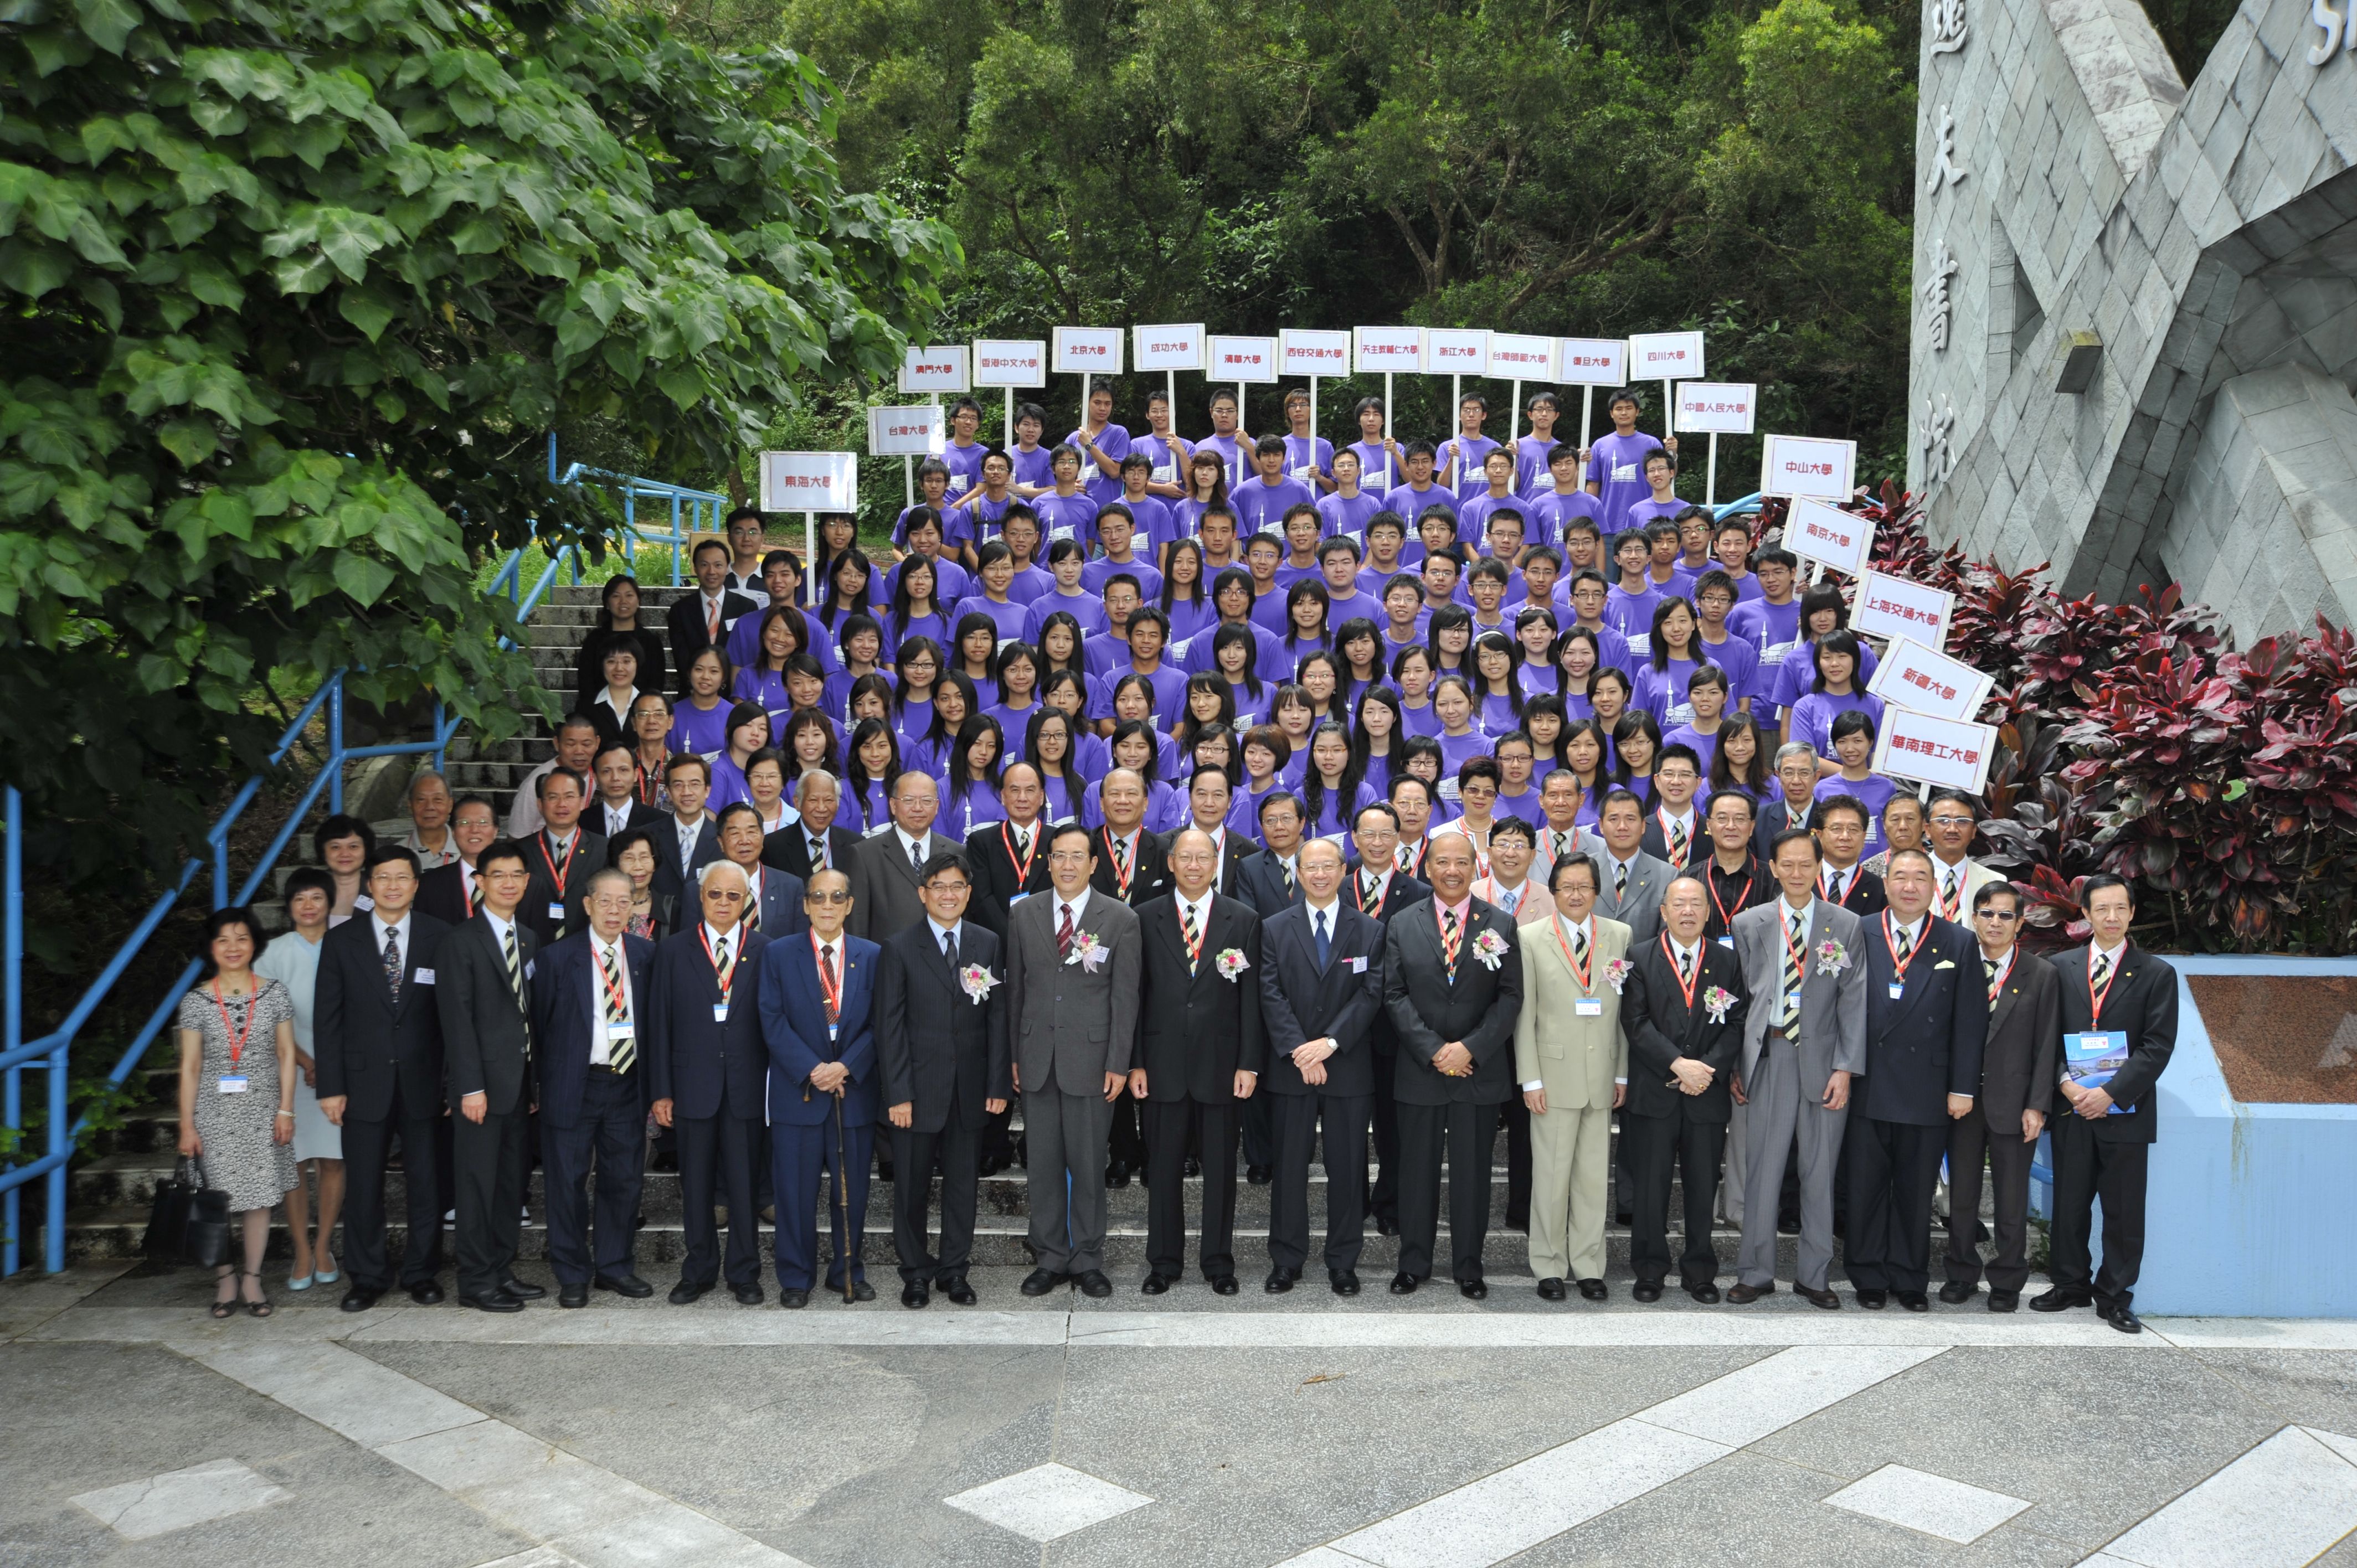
(237, 1094)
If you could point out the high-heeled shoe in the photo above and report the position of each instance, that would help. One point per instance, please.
(256, 1308)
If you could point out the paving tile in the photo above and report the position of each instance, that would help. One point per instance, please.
(178, 1498)
(1048, 1501)
(1931, 1504)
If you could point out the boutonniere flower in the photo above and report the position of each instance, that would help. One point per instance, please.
(1616, 974)
(1715, 1002)
(1489, 948)
(1230, 963)
(1832, 957)
(978, 982)
(1088, 952)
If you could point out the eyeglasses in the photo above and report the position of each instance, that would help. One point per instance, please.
(830, 896)
(1951, 821)
(1996, 914)
(724, 894)
(941, 887)
(1069, 857)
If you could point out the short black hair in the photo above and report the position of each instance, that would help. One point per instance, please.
(504, 849)
(2100, 880)
(946, 860)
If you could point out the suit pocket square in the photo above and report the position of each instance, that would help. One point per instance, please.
(1944, 963)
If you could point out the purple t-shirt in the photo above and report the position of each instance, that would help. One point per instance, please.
(1150, 581)
(1233, 456)
(1473, 517)
(1268, 653)
(952, 582)
(1739, 661)
(1532, 477)
(1268, 614)
(1646, 511)
(1798, 673)
(1028, 583)
(1630, 614)
(1813, 716)
(1113, 442)
(964, 464)
(1662, 692)
(1770, 629)
(1704, 745)
(1552, 513)
(1151, 515)
(1033, 468)
(957, 523)
(1874, 790)
(701, 731)
(1410, 503)
(1301, 451)
(1167, 469)
(1084, 608)
(1187, 617)
(1007, 616)
(1348, 515)
(1261, 506)
(982, 518)
(1464, 453)
(1377, 472)
(1066, 517)
(1616, 466)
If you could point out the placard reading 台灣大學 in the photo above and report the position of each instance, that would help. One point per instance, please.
(907, 430)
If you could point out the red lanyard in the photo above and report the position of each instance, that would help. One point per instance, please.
(237, 1037)
(555, 875)
(831, 984)
(1685, 986)
(1900, 966)
(1123, 867)
(1798, 953)
(1359, 895)
(2005, 971)
(617, 989)
(2094, 1002)
(1727, 921)
(724, 980)
(1022, 870)
(1582, 974)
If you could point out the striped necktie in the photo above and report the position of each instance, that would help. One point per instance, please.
(515, 969)
(1193, 932)
(1452, 941)
(621, 1049)
(1995, 990)
(1791, 976)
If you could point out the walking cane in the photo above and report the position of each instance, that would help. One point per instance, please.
(842, 1198)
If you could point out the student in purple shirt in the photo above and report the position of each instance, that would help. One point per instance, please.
(699, 719)
(1518, 795)
(1232, 598)
(1587, 597)
(1706, 704)
(852, 587)
(1167, 450)
(1068, 559)
(997, 576)
(1207, 490)
(1420, 492)
(1268, 753)
(1020, 534)
(962, 454)
(1337, 565)
(1459, 460)
(1460, 734)
(1067, 512)
(1333, 786)
(1837, 689)
(1713, 600)
(1015, 674)
(1498, 694)
(1495, 495)
(1035, 472)
(1150, 514)
(1671, 659)
(1263, 501)
(1629, 607)
(1539, 581)
(1730, 544)
(1534, 452)
(917, 608)
(1386, 539)
(981, 514)
(1103, 446)
(1693, 547)
(1854, 735)
(1308, 456)
(917, 663)
(863, 652)
(1412, 674)
(1770, 623)
(1263, 555)
(1616, 463)
(1184, 596)
(1301, 531)
(1661, 501)
(1149, 632)
(925, 539)
(1382, 464)
(932, 491)
(1348, 509)
(1560, 499)
(1115, 531)
(1823, 611)
(1227, 440)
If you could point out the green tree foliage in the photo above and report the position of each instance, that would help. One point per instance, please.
(294, 289)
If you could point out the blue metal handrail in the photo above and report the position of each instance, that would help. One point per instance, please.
(53, 1049)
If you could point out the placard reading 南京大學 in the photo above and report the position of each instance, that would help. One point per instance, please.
(810, 481)
(1841, 540)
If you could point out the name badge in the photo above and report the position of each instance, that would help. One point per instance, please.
(236, 1084)
(1014, 898)
(832, 1029)
(1358, 966)
(1792, 1002)
(720, 1012)
(619, 1031)
(1728, 941)
(556, 911)
(1898, 988)
(1588, 1007)
(423, 977)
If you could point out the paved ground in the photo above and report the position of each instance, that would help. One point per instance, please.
(1253, 1432)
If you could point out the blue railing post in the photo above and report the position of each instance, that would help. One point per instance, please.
(676, 533)
(441, 740)
(552, 456)
(336, 746)
(12, 1027)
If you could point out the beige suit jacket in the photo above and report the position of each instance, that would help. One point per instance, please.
(1576, 1059)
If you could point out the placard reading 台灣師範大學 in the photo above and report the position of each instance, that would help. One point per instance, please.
(1522, 357)
(1240, 359)
(1893, 607)
(1809, 466)
(1716, 408)
(1841, 540)
(1010, 363)
(1665, 356)
(1387, 350)
(1305, 351)
(1935, 751)
(1085, 350)
(1594, 362)
(937, 368)
(909, 430)
(810, 481)
(1173, 347)
(1913, 676)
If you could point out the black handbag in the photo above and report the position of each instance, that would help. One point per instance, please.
(188, 1221)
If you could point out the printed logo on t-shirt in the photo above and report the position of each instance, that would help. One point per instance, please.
(1624, 473)
(960, 481)
(1162, 473)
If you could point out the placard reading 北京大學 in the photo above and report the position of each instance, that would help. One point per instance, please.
(1086, 350)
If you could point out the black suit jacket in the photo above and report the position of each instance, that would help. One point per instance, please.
(1260, 882)
(1862, 893)
(486, 1032)
(668, 876)
(564, 1029)
(2142, 1003)
(1771, 821)
(1149, 880)
(2019, 1062)
(640, 815)
(442, 893)
(1299, 1001)
(996, 876)
(1657, 844)
(542, 895)
(683, 625)
(788, 849)
(698, 1063)
(936, 1046)
(365, 1043)
(1925, 1044)
(1427, 1010)
(1661, 1028)
(1196, 1029)
(590, 665)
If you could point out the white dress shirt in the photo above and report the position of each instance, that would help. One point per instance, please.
(1077, 908)
(600, 1043)
(400, 930)
(616, 819)
(690, 835)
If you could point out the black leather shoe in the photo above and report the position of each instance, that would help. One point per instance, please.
(1040, 1282)
(993, 1164)
(1117, 1175)
(1744, 1296)
(1224, 1284)
(2123, 1318)
(359, 1299)
(427, 1294)
(629, 1285)
(796, 1298)
(746, 1295)
(1705, 1293)
(2003, 1300)
(497, 1301)
(1094, 1285)
(1646, 1291)
(860, 1291)
(955, 1287)
(914, 1294)
(684, 1293)
(1955, 1293)
(2059, 1300)
(1386, 1227)
(1873, 1300)
(1157, 1284)
(1193, 1166)
(1259, 1176)
(521, 1291)
(1913, 1300)
(571, 1295)
(1825, 1298)
(1594, 1290)
(1788, 1225)
(1473, 1290)
(1280, 1280)
(1404, 1284)
(1344, 1282)
(1550, 1289)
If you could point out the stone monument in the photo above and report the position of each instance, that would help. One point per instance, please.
(2135, 302)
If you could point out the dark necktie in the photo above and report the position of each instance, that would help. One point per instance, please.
(1579, 945)
(1192, 930)
(1995, 990)
(1620, 879)
(1792, 981)
(1291, 886)
(1904, 945)
(515, 969)
(917, 855)
(1677, 843)
(1561, 848)
(1685, 967)
(818, 854)
(1452, 941)
(949, 949)
(393, 965)
(1064, 931)
(2098, 970)
(827, 983)
(1323, 940)
(753, 904)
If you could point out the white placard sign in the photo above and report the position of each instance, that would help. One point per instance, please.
(1241, 360)
(1913, 676)
(1520, 356)
(1087, 350)
(810, 481)
(1719, 408)
(1167, 348)
(911, 429)
(1807, 466)
(1303, 352)
(1594, 362)
(1895, 608)
(1665, 356)
(1455, 351)
(936, 368)
(1009, 363)
(1842, 540)
(1381, 351)
(1934, 751)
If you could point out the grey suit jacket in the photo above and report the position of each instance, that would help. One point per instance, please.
(1833, 1006)
(1072, 1024)
(884, 898)
(1639, 908)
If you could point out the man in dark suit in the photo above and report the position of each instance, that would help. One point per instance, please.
(818, 994)
(618, 808)
(707, 1069)
(774, 900)
(1926, 1020)
(1271, 881)
(1453, 984)
(702, 620)
(485, 1005)
(883, 869)
(1794, 810)
(2024, 1032)
(379, 1052)
(1842, 825)
(588, 1027)
(1207, 799)
(1674, 831)
(1131, 866)
(687, 839)
(448, 892)
(1732, 877)
(815, 843)
(941, 1054)
(1681, 1006)
(562, 856)
(1378, 890)
(2103, 1132)
(1009, 858)
(1321, 990)
(1199, 1047)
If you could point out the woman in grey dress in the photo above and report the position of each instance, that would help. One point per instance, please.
(237, 1094)
(292, 958)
